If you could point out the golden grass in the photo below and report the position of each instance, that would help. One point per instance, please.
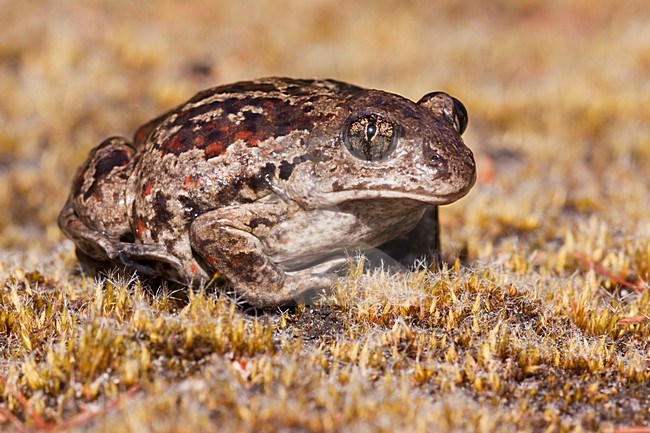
(539, 322)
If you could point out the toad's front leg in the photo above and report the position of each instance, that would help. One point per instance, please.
(226, 240)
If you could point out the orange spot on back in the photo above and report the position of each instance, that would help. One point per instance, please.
(190, 182)
(243, 135)
(215, 149)
(139, 228)
(147, 189)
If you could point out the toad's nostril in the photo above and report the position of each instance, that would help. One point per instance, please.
(432, 154)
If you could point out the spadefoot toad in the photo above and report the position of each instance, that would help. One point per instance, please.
(268, 184)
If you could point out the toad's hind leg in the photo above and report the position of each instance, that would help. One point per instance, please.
(98, 194)
(95, 215)
(97, 252)
(228, 248)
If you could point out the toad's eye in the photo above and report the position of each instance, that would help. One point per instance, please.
(370, 136)
(447, 106)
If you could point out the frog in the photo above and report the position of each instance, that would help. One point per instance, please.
(268, 185)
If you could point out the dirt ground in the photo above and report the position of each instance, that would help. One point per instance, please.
(539, 322)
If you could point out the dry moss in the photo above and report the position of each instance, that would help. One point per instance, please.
(410, 351)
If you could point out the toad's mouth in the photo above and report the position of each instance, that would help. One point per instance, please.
(428, 198)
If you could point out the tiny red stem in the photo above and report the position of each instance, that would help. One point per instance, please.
(605, 272)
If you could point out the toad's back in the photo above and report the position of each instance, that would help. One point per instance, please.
(219, 148)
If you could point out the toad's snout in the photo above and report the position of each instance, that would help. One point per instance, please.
(453, 166)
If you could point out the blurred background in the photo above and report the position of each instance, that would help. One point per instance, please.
(557, 94)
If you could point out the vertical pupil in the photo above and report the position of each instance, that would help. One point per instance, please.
(371, 131)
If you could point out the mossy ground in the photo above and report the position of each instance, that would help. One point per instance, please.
(521, 333)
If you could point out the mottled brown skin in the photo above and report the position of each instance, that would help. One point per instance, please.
(268, 184)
